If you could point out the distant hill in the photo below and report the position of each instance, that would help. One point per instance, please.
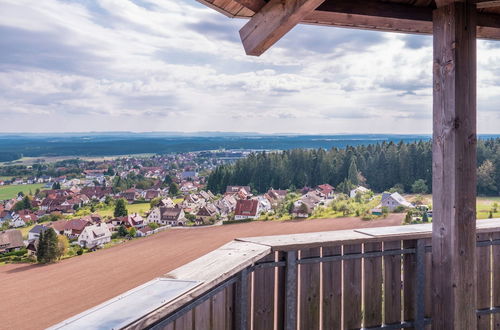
(15, 146)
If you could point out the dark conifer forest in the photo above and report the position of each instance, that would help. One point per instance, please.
(379, 166)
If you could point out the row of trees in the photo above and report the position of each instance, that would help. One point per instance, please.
(382, 166)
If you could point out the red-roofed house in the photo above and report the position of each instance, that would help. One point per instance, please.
(246, 209)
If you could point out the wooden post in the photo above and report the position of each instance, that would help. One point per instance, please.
(454, 167)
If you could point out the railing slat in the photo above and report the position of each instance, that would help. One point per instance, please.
(496, 279)
(185, 322)
(352, 289)
(218, 317)
(229, 307)
(263, 299)
(409, 282)
(392, 284)
(309, 276)
(280, 292)
(202, 316)
(372, 287)
(428, 282)
(483, 261)
(332, 290)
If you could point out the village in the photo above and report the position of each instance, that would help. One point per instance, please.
(117, 200)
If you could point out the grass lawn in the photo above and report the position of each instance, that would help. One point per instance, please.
(140, 208)
(10, 191)
(25, 230)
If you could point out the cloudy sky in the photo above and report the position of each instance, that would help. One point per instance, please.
(175, 65)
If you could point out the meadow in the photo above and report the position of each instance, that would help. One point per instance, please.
(11, 191)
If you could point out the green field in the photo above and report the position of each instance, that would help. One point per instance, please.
(140, 208)
(11, 191)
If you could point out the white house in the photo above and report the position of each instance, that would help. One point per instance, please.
(391, 201)
(94, 236)
(167, 216)
(359, 189)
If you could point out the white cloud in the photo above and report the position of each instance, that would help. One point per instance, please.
(178, 66)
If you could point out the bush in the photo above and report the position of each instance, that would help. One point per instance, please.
(79, 252)
(399, 209)
(230, 222)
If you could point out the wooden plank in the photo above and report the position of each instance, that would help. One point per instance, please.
(272, 22)
(202, 316)
(229, 308)
(401, 232)
(454, 167)
(254, 5)
(372, 283)
(395, 20)
(170, 326)
(309, 288)
(218, 311)
(309, 240)
(483, 259)
(409, 281)
(185, 322)
(352, 289)
(280, 292)
(428, 283)
(213, 268)
(496, 280)
(487, 4)
(332, 289)
(263, 296)
(392, 284)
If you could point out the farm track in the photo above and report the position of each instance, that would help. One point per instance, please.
(35, 297)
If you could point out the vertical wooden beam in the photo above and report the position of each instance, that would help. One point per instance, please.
(454, 167)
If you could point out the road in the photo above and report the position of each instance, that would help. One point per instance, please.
(36, 296)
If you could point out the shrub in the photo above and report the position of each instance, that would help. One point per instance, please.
(399, 209)
(229, 222)
(79, 252)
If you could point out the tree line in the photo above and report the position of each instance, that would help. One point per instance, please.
(405, 167)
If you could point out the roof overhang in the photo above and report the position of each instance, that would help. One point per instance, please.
(271, 19)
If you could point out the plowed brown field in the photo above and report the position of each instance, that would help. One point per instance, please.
(35, 297)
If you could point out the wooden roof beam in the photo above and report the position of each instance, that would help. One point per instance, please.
(487, 4)
(253, 5)
(387, 16)
(272, 22)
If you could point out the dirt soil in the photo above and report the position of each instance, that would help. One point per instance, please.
(35, 297)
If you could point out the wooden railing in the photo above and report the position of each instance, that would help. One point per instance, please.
(377, 278)
(369, 278)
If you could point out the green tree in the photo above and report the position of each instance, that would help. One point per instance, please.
(122, 231)
(48, 250)
(132, 232)
(168, 180)
(173, 189)
(486, 178)
(419, 187)
(25, 204)
(120, 208)
(62, 246)
(425, 217)
(56, 186)
(353, 175)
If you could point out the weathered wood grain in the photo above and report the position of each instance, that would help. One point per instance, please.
(272, 22)
(352, 289)
(332, 289)
(495, 292)
(392, 284)
(202, 316)
(185, 322)
(454, 167)
(483, 259)
(263, 297)
(409, 281)
(309, 291)
(372, 283)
